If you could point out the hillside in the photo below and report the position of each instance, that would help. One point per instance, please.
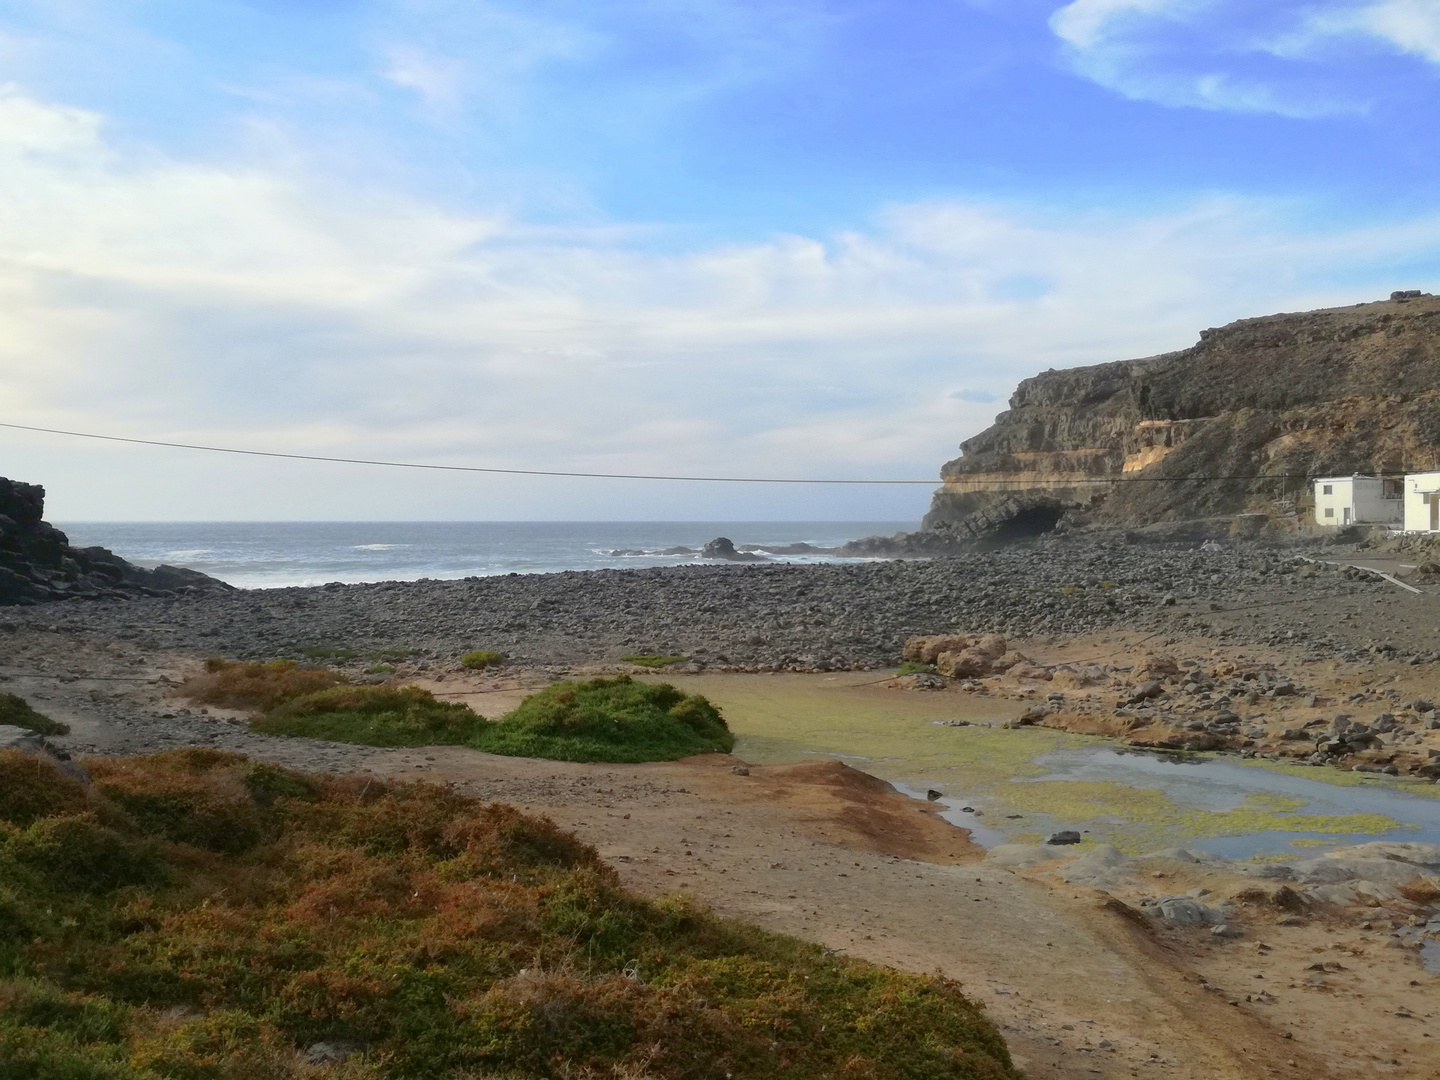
(1261, 404)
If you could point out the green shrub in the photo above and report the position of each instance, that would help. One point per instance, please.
(250, 685)
(17, 711)
(653, 660)
(191, 796)
(914, 667)
(615, 719)
(78, 855)
(380, 669)
(447, 937)
(375, 716)
(480, 659)
(32, 787)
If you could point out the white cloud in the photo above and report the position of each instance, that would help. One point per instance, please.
(270, 310)
(1290, 57)
(1406, 26)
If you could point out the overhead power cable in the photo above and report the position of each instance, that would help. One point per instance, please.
(621, 476)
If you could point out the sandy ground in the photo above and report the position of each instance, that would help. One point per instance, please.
(1080, 982)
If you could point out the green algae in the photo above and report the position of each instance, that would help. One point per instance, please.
(897, 736)
(1140, 819)
(1345, 778)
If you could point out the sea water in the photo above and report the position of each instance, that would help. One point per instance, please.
(265, 555)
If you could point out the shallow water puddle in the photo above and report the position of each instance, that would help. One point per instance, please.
(1029, 782)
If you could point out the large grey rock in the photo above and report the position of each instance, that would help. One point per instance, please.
(18, 738)
(1100, 867)
(1182, 911)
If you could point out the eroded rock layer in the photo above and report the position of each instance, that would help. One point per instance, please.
(1234, 424)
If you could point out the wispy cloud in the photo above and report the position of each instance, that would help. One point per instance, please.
(1297, 58)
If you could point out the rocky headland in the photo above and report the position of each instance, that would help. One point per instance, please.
(37, 563)
(1231, 427)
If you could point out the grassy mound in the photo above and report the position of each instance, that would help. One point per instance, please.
(615, 719)
(250, 685)
(480, 659)
(444, 937)
(375, 716)
(17, 711)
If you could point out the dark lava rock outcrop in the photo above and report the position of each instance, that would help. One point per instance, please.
(1236, 423)
(38, 564)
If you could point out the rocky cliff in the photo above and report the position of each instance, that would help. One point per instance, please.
(1237, 423)
(38, 564)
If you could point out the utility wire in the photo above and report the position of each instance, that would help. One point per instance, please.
(619, 476)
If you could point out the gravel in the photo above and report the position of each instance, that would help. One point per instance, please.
(775, 617)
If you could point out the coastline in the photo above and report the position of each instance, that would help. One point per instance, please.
(1074, 969)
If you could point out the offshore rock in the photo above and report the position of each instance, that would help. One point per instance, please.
(37, 563)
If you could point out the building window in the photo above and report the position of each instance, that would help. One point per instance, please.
(1326, 490)
(1329, 511)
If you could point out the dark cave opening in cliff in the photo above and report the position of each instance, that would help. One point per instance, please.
(1036, 521)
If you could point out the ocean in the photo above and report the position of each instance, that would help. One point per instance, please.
(268, 555)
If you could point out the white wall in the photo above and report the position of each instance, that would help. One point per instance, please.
(1355, 500)
(1330, 507)
(1417, 509)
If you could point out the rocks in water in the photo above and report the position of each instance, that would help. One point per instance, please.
(37, 563)
(934, 796)
(1064, 836)
(722, 547)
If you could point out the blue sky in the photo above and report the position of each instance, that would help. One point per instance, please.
(790, 237)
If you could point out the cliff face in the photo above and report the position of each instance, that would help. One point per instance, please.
(38, 564)
(1236, 423)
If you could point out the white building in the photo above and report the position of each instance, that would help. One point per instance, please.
(1360, 500)
(1422, 502)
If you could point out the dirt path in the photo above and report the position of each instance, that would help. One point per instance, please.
(829, 854)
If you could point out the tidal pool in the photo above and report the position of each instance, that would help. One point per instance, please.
(1029, 782)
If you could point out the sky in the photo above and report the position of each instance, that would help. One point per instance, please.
(771, 238)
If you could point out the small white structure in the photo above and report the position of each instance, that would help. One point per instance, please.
(1360, 500)
(1422, 502)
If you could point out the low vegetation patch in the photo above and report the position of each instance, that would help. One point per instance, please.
(17, 711)
(480, 659)
(615, 719)
(375, 716)
(250, 685)
(653, 660)
(915, 667)
(618, 720)
(436, 936)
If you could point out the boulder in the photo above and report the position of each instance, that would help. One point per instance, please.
(926, 650)
(722, 547)
(1180, 911)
